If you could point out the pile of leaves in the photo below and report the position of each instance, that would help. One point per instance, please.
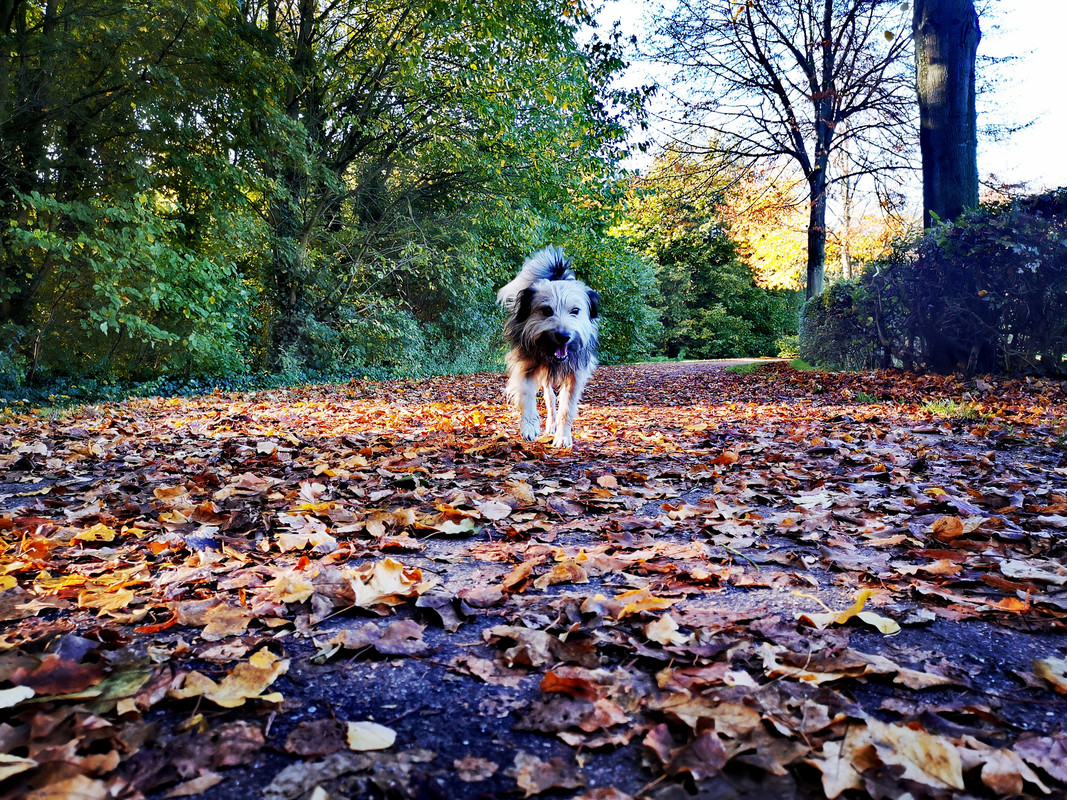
(799, 585)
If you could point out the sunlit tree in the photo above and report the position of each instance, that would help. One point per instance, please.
(766, 79)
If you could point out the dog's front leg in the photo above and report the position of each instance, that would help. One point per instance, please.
(530, 420)
(569, 394)
(550, 405)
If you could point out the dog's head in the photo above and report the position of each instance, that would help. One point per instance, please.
(555, 319)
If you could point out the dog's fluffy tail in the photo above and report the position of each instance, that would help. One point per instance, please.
(547, 264)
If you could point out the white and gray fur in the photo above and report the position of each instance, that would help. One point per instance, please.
(552, 331)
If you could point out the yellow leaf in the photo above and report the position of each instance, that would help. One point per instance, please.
(105, 601)
(290, 586)
(640, 600)
(98, 533)
(369, 736)
(824, 620)
(879, 623)
(246, 682)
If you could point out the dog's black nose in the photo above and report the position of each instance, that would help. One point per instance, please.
(562, 337)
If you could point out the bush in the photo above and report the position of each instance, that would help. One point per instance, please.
(985, 294)
(835, 332)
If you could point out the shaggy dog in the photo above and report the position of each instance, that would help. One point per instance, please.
(553, 336)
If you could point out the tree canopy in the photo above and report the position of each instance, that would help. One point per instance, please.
(308, 184)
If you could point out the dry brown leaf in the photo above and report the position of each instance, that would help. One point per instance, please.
(840, 763)
(471, 769)
(384, 583)
(535, 776)
(926, 758)
(1001, 770)
(947, 528)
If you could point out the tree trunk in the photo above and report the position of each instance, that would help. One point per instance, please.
(817, 234)
(946, 43)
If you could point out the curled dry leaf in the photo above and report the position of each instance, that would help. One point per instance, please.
(1045, 752)
(877, 621)
(665, 631)
(947, 528)
(384, 583)
(926, 758)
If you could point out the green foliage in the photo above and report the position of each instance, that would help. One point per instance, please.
(835, 330)
(744, 369)
(984, 294)
(788, 346)
(950, 408)
(308, 188)
(800, 365)
(708, 302)
(133, 299)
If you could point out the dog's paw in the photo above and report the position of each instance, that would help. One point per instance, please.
(530, 429)
(563, 440)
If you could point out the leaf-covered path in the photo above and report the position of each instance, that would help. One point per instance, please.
(784, 584)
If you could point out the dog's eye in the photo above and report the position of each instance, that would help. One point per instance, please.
(574, 312)
(546, 310)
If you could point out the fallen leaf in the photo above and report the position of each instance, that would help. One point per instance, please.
(246, 682)
(362, 736)
(471, 769)
(926, 758)
(535, 776)
(13, 765)
(665, 631)
(1053, 670)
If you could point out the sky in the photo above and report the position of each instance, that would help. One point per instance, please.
(1032, 88)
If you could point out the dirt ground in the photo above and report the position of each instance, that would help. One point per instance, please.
(770, 585)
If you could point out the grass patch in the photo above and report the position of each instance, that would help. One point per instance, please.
(800, 365)
(744, 369)
(863, 397)
(949, 408)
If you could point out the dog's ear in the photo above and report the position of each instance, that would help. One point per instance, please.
(524, 304)
(594, 303)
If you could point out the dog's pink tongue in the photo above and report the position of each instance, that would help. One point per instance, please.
(561, 353)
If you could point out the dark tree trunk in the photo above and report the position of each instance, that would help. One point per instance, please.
(946, 43)
(816, 239)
